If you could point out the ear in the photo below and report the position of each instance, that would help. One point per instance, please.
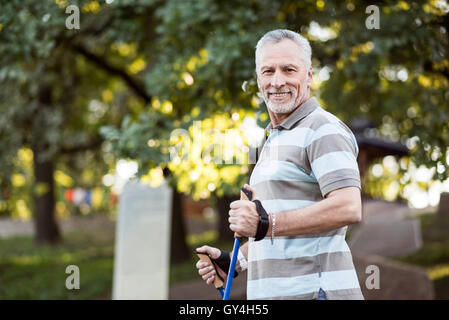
(309, 77)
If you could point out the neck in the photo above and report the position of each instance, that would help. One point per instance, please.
(278, 118)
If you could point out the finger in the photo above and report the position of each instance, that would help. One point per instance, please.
(210, 280)
(236, 204)
(214, 253)
(208, 275)
(201, 264)
(246, 186)
(203, 249)
(204, 271)
(232, 220)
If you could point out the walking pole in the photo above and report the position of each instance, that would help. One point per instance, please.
(245, 194)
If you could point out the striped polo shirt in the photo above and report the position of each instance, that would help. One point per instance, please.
(308, 155)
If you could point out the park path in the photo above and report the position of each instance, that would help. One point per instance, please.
(199, 290)
(12, 227)
(388, 229)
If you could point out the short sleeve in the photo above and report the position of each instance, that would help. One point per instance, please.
(332, 154)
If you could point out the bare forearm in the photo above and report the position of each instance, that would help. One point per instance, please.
(244, 250)
(331, 213)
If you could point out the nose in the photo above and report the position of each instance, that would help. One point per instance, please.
(277, 80)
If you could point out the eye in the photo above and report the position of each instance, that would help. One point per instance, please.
(291, 70)
(267, 72)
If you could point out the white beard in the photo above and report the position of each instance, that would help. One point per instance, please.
(283, 107)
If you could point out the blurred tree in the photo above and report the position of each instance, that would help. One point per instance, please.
(206, 53)
(52, 79)
(397, 76)
(187, 61)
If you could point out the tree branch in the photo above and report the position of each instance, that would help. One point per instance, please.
(137, 86)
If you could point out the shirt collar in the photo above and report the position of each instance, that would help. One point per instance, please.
(300, 113)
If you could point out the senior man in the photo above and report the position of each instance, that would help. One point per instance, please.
(306, 179)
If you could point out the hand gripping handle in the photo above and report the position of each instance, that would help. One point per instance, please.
(245, 194)
(204, 257)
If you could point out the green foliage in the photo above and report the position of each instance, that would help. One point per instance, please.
(205, 52)
(166, 64)
(397, 76)
(55, 85)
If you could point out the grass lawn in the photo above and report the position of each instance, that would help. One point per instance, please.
(31, 272)
(434, 255)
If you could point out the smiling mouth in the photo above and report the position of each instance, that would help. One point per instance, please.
(278, 94)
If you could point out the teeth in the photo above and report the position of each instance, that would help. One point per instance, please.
(281, 94)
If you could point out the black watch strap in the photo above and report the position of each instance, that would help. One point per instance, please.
(264, 222)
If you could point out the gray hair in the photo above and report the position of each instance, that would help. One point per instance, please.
(276, 36)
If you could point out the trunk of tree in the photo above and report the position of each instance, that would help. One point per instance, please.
(179, 250)
(224, 233)
(46, 228)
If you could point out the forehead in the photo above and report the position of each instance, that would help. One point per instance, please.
(283, 52)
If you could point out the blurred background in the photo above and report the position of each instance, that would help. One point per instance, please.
(87, 104)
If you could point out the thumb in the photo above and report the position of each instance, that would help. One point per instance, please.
(202, 249)
(213, 252)
(246, 186)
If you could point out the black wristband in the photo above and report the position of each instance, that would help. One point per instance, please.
(224, 261)
(264, 222)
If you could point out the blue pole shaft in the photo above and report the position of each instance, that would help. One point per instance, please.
(235, 252)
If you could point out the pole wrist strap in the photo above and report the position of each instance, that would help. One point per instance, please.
(224, 261)
(264, 221)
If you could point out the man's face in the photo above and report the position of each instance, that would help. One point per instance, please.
(282, 77)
